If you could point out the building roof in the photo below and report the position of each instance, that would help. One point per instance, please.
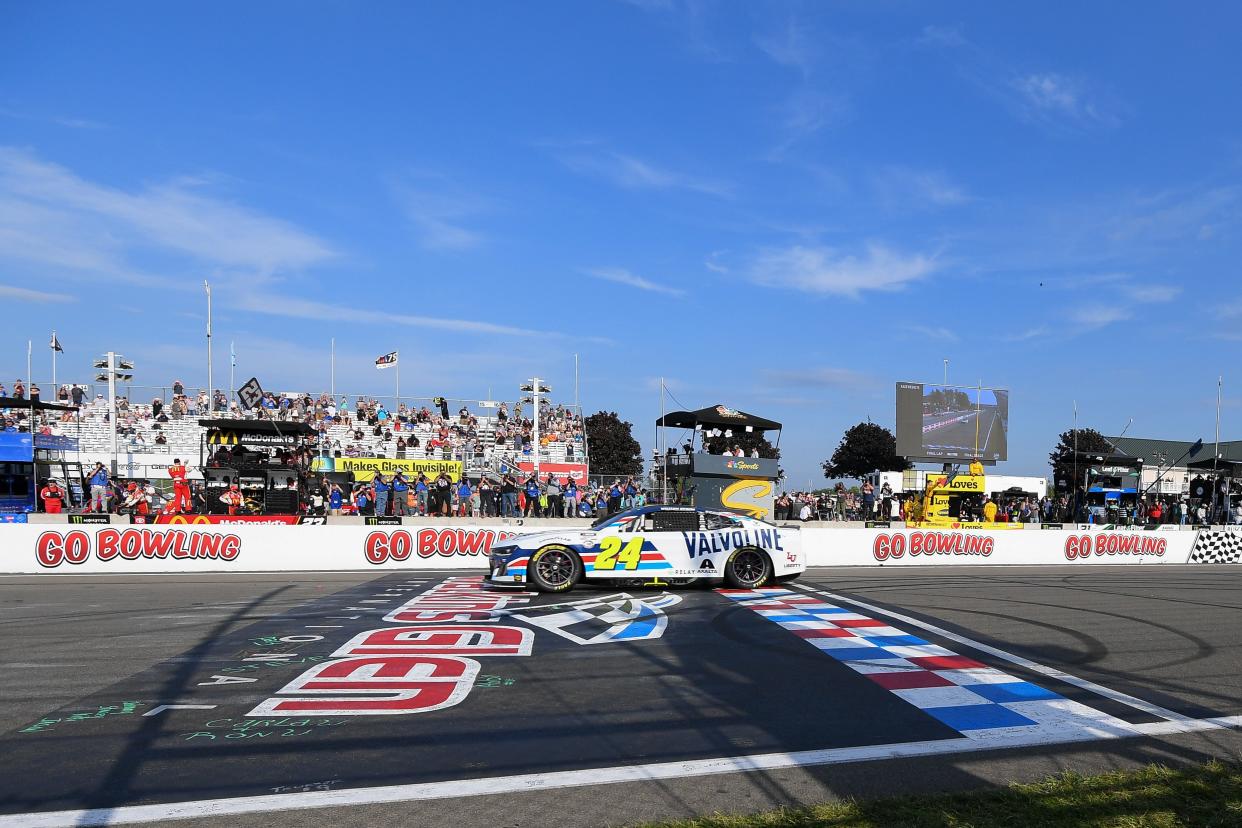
(1164, 452)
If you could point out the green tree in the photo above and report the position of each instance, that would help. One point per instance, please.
(865, 448)
(1065, 475)
(613, 449)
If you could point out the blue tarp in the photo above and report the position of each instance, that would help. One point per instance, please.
(16, 447)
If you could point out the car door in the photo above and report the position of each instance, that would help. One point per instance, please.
(669, 537)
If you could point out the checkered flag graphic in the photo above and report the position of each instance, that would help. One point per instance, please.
(1217, 546)
(619, 617)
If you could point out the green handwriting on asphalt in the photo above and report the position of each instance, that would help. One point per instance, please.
(48, 722)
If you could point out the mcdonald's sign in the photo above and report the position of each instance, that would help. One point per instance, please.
(227, 520)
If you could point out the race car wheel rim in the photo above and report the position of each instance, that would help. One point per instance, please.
(555, 567)
(748, 566)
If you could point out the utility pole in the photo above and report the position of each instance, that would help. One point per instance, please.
(946, 371)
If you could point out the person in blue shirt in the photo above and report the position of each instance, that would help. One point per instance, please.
(614, 498)
(464, 493)
(532, 497)
(571, 498)
(382, 490)
(335, 500)
(100, 487)
(361, 501)
(420, 493)
(400, 493)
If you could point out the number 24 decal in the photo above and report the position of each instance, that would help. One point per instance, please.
(612, 553)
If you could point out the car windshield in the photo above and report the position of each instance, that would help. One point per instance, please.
(610, 520)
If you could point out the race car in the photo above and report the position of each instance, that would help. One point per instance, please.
(657, 544)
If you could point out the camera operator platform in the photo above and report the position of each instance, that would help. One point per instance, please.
(719, 473)
(268, 461)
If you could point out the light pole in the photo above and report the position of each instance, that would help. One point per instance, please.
(534, 386)
(113, 368)
(211, 398)
(946, 371)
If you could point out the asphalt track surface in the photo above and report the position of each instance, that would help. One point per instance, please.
(961, 434)
(974, 676)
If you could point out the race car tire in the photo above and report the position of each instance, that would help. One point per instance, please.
(554, 568)
(748, 568)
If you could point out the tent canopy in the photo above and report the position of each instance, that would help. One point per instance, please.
(260, 427)
(24, 403)
(717, 416)
(1232, 468)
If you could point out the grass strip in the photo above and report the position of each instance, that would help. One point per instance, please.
(1207, 795)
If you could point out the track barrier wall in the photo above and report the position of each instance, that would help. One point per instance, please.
(261, 547)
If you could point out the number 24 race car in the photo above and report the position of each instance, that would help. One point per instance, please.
(678, 545)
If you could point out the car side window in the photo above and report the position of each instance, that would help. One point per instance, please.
(674, 521)
(712, 522)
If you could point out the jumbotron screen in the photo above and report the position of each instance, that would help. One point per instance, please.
(947, 422)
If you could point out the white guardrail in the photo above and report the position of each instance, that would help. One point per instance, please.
(137, 549)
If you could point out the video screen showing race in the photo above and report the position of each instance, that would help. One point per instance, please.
(945, 422)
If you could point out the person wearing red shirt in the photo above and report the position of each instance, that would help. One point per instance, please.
(232, 498)
(53, 497)
(181, 488)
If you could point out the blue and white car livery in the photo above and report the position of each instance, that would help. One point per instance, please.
(674, 543)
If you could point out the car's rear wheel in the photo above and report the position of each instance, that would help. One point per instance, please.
(554, 569)
(748, 568)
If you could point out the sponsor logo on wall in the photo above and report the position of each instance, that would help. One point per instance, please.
(930, 544)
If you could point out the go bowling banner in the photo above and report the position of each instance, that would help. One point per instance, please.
(223, 544)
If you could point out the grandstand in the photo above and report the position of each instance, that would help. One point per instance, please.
(150, 435)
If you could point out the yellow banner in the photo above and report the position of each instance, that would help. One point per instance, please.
(961, 483)
(364, 468)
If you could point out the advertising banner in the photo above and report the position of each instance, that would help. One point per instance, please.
(256, 544)
(576, 472)
(364, 468)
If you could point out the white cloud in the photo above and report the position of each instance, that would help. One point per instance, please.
(172, 216)
(790, 47)
(630, 173)
(438, 209)
(294, 307)
(712, 262)
(1154, 294)
(1098, 317)
(1051, 99)
(900, 187)
(826, 377)
(934, 332)
(1028, 334)
(22, 294)
(623, 277)
(827, 270)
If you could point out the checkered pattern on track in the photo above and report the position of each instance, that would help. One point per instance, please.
(1217, 546)
(976, 700)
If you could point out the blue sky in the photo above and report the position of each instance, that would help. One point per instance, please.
(784, 207)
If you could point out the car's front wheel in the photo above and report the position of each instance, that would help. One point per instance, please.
(748, 568)
(554, 569)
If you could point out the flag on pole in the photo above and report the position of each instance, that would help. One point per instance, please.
(55, 343)
(386, 360)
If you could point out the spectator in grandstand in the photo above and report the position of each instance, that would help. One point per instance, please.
(382, 490)
(19, 390)
(178, 388)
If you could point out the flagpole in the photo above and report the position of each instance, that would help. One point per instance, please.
(232, 365)
(54, 386)
(332, 371)
(30, 387)
(395, 410)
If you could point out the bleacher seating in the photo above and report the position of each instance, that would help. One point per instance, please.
(184, 436)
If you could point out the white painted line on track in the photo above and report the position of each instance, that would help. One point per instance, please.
(578, 778)
(1051, 672)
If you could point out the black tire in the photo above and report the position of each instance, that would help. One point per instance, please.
(554, 568)
(748, 568)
